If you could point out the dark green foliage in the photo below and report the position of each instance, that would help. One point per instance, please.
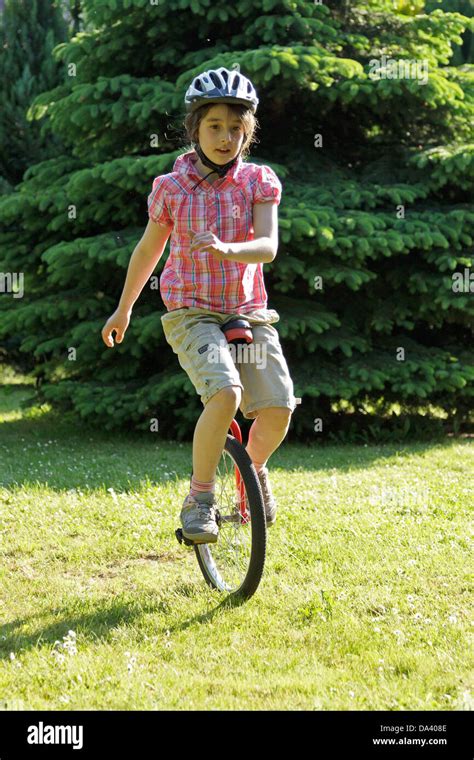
(374, 222)
(464, 52)
(29, 30)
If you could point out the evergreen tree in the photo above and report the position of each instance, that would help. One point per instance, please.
(376, 229)
(464, 52)
(29, 30)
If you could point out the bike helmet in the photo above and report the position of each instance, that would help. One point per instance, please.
(220, 86)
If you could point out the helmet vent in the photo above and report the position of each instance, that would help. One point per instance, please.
(215, 79)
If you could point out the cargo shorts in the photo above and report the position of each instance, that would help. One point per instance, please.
(211, 363)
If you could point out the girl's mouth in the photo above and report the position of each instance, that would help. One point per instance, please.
(223, 152)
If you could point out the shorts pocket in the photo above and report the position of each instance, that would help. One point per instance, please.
(198, 347)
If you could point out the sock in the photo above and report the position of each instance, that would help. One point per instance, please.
(259, 466)
(201, 489)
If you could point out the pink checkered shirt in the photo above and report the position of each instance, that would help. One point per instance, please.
(225, 208)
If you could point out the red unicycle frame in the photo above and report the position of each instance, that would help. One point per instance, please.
(239, 484)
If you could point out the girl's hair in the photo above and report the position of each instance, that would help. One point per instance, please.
(243, 112)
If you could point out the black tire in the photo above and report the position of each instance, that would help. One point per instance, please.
(258, 528)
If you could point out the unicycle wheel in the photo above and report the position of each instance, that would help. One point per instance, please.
(235, 563)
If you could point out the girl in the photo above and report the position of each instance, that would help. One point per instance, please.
(221, 213)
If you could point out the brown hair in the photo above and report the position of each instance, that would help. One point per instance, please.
(243, 112)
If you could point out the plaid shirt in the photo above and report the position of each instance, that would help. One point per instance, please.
(225, 208)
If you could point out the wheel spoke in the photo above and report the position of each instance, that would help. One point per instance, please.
(228, 559)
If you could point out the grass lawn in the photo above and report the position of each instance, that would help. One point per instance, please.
(365, 602)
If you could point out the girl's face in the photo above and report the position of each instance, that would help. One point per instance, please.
(221, 134)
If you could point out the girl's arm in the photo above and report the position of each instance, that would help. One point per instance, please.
(143, 261)
(262, 249)
(265, 245)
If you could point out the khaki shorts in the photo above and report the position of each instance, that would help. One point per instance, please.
(259, 369)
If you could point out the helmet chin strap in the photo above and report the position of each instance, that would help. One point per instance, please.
(220, 169)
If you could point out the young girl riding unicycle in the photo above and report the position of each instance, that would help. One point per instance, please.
(222, 215)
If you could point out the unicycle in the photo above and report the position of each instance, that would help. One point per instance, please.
(234, 564)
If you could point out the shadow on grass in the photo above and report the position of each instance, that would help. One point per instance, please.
(62, 453)
(99, 623)
(228, 603)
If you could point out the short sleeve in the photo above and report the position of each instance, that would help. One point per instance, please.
(157, 206)
(267, 187)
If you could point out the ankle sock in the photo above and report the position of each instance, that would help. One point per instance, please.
(199, 487)
(259, 466)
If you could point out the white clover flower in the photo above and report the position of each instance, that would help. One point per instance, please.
(113, 495)
(68, 645)
(131, 661)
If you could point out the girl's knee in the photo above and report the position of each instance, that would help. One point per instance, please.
(277, 417)
(230, 397)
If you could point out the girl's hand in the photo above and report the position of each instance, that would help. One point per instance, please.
(119, 322)
(209, 242)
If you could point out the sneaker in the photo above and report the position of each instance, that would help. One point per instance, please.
(268, 498)
(198, 519)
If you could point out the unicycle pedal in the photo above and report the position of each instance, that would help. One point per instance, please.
(181, 538)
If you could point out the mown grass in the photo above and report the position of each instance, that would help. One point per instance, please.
(364, 605)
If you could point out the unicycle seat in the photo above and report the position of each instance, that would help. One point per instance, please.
(238, 331)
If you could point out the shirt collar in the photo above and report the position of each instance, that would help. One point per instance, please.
(185, 164)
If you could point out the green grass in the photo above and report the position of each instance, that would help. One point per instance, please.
(364, 604)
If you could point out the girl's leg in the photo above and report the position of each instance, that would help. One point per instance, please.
(267, 432)
(211, 431)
